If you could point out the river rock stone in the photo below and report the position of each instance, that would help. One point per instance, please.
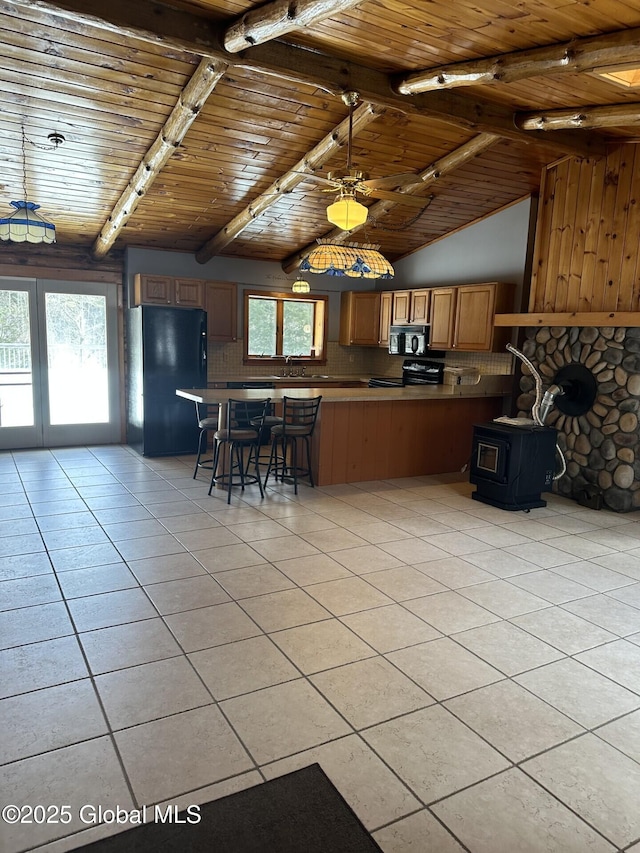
(595, 461)
(557, 331)
(629, 405)
(626, 454)
(595, 436)
(576, 349)
(608, 449)
(625, 439)
(613, 417)
(612, 356)
(633, 384)
(619, 335)
(619, 394)
(605, 480)
(623, 476)
(631, 363)
(583, 445)
(628, 422)
(618, 500)
(633, 332)
(592, 360)
(574, 333)
(543, 335)
(600, 345)
(607, 332)
(600, 410)
(607, 387)
(589, 334)
(551, 346)
(610, 429)
(633, 345)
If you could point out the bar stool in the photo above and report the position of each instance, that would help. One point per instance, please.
(244, 422)
(270, 420)
(298, 422)
(207, 416)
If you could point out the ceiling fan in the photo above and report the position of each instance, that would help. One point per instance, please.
(347, 212)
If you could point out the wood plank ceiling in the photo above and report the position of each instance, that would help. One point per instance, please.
(114, 79)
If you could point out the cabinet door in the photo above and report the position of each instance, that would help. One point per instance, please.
(189, 292)
(474, 317)
(401, 307)
(359, 318)
(221, 305)
(386, 302)
(153, 289)
(442, 316)
(419, 313)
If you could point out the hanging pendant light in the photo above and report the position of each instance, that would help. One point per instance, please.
(300, 285)
(351, 259)
(25, 224)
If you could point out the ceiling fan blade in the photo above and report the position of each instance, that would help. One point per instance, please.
(399, 180)
(318, 179)
(401, 198)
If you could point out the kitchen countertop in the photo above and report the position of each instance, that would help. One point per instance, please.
(346, 395)
(294, 380)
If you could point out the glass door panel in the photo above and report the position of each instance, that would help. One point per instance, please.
(19, 373)
(77, 364)
(59, 364)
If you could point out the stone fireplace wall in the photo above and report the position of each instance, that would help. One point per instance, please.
(602, 446)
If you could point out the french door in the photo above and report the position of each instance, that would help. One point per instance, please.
(59, 371)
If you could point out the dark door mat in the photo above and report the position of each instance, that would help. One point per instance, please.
(301, 812)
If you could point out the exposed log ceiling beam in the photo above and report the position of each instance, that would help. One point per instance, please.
(192, 98)
(587, 54)
(174, 29)
(318, 155)
(613, 115)
(429, 176)
(279, 17)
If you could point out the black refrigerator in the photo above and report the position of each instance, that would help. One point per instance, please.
(166, 348)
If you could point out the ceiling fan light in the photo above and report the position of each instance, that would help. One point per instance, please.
(347, 213)
(300, 285)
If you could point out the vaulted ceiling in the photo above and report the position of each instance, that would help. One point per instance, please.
(194, 125)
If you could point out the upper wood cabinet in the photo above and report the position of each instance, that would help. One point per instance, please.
(401, 307)
(166, 290)
(221, 302)
(462, 317)
(419, 309)
(442, 317)
(359, 318)
(410, 307)
(386, 304)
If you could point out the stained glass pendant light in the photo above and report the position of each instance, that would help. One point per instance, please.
(351, 259)
(25, 224)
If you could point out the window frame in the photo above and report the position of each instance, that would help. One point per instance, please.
(321, 314)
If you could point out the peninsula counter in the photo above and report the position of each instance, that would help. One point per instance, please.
(382, 433)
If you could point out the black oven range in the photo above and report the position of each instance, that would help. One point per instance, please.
(414, 372)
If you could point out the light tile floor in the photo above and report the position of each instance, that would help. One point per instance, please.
(469, 678)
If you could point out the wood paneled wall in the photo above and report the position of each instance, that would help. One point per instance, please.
(70, 263)
(587, 252)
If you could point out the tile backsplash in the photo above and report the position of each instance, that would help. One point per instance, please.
(226, 359)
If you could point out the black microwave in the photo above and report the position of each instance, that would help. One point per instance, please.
(409, 340)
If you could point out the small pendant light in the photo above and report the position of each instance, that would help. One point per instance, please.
(25, 224)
